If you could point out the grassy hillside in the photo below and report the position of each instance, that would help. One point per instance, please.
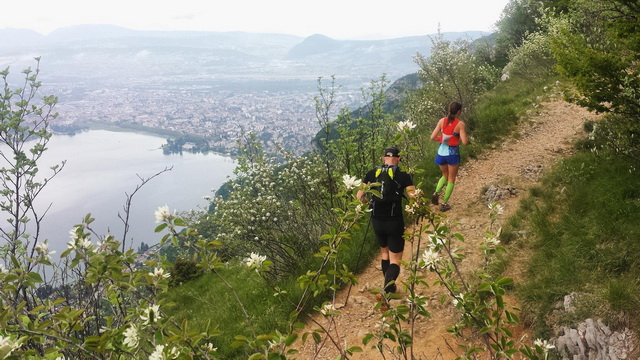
(585, 241)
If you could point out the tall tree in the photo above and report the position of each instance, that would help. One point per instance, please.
(24, 135)
(518, 19)
(598, 47)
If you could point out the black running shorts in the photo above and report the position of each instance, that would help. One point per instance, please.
(389, 233)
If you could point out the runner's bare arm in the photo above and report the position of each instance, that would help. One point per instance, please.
(463, 133)
(435, 135)
(411, 191)
(361, 197)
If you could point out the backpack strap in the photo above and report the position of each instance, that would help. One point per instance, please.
(391, 170)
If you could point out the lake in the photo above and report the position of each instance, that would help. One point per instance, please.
(103, 166)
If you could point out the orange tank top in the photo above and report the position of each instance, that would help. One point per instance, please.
(448, 136)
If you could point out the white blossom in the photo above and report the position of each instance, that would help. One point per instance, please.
(78, 243)
(73, 233)
(207, 197)
(255, 260)
(457, 299)
(351, 182)
(544, 344)
(158, 353)
(2, 268)
(382, 325)
(43, 249)
(7, 345)
(84, 243)
(162, 214)
(327, 309)
(497, 208)
(152, 313)
(158, 274)
(430, 259)
(492, 242)
(131, 337)
(406, 125)
(210, 347)
(102, 245)
(410, 209)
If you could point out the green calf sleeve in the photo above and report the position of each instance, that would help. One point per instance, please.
(448, 191)
(441, 182)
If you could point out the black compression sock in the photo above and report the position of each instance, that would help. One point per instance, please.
(385, 266)
(391, 275)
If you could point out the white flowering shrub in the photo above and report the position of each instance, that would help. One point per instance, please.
(103, 303)
(533, 60)
(278, 209)
(450, 73)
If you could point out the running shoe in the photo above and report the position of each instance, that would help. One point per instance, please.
(444, 207)
(391, 288)
(435, 198)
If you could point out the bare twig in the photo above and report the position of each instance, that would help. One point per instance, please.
(128, 202)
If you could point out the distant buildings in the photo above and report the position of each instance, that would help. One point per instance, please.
(220, 116)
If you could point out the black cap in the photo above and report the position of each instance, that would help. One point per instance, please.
(392, 151)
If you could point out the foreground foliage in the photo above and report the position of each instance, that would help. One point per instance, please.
(106, 302)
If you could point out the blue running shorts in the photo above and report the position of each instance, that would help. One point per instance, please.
(447, 160)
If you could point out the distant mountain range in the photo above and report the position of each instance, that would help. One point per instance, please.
(109, 53)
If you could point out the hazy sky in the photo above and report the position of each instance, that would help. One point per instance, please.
(335, 18)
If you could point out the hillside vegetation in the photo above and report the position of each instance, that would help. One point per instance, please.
(240, 280)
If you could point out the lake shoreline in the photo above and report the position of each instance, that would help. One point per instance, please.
(139, 129)
(102, 166)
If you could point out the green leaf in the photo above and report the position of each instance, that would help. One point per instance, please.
(35, 277)
(88, 219)
(161, 227)
(504, 281)
(317, 338)
(291, 339)
(92, 342)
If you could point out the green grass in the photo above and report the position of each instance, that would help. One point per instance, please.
(499, 111)
(209, 300)
(585, 237)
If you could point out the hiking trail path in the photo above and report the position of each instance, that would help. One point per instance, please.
(547, 135)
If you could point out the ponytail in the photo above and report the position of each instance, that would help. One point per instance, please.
(454, 107)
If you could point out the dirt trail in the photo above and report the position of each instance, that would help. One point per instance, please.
(518, 162)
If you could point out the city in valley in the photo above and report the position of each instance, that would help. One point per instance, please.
(206, 86)
(277, 117)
